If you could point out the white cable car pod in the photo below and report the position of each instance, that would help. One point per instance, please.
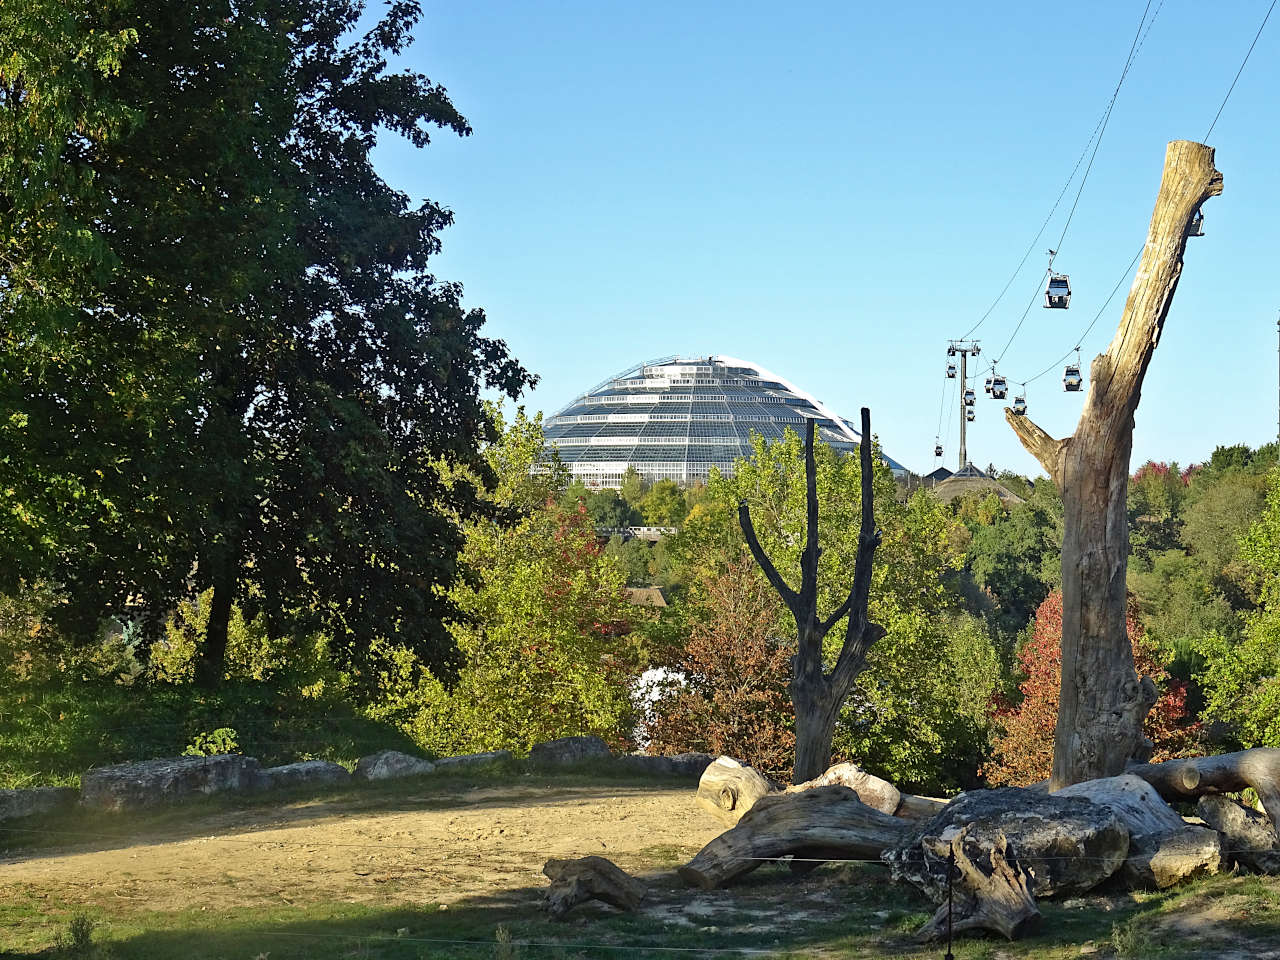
(1057, 295)
(937, 449)
(951, 371)
(1197, 225)
(1019, 406)
(1071, 379)
(999, 388)
(987, 389)
(968, 415)
(969, 398)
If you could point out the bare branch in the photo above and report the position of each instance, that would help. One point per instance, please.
(1039, 444)
(789, 596)
(809, 558)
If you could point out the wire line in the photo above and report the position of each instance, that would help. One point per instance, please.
(1241, 70)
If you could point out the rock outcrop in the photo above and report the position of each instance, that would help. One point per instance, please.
(391, 765)
(126, 786)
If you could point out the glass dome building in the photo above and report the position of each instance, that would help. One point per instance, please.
(676, 418)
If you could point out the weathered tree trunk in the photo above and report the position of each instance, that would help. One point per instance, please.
(728, 789)
(1226, 773)
(991, 895)
(816, 694)
(825, 821)
(590, 878)
(875, 793)
(212, 655)
(1103, 701)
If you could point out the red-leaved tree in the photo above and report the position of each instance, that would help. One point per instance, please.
(733, 698)
(1023, 752)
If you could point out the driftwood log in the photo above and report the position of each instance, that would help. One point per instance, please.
(728, 789)
(1103, 700)
(590, 878)
(825, 822)
(990, 891)
(1193, 777)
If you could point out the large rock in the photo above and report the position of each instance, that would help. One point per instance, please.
(1066, 844)
(29, 803)
(1248, 837)
(390, 765)
(124, 786)
(689, 765)
(568, 750)
(304, 773)
(1163, 848)
(472, 760)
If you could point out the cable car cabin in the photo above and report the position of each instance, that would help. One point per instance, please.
(951, 350)
(968, 415)
(1071, 379)
(976, 350)
(969, 398)
(951, 371)
(937, 449)
(999, 388)
(1197, 225)
(1057, 295)
(987, 388)
(1019, 406)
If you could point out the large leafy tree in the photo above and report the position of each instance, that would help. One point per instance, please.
(318, 374)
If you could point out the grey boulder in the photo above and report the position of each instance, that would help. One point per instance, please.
(29, 803)
(1247, 835)
(472, 760)
(1067, 845)
(690, 765)
(390, 765)
(125, 786)
(306, 772)
(568, 750)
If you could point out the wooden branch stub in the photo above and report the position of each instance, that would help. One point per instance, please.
(1258, 768)
(590, 878)
(1047, 450)
(728, 789)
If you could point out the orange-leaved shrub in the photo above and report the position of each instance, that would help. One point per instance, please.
(734, 697)
(1023, 749)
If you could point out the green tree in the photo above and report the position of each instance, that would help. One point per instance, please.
(634, 487)
(324, 374)
(664, 505)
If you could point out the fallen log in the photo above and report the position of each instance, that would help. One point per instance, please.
(831, 821)
(728, 789)
(1194, 777)
(875, 793)
(590, 878)
(990, 891)
(1163, 848)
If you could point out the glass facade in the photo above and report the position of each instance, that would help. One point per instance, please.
(677, 418)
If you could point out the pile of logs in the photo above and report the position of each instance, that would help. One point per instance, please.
(996, 851)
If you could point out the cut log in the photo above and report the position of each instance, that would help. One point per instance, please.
(1163, 848)
(828, 819)
(990, 890)
(590, 878)
(1248, 837)
(1194, 777)
(912, 807)
(728, 789)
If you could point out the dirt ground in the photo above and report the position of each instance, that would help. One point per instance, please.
(485, 841)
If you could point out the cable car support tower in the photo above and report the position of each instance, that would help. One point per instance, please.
(963, 349)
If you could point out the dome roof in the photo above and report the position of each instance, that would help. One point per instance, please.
(676, 418)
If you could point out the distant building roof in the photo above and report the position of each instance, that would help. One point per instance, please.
(942, 473)
(647, 596)
(962, 483)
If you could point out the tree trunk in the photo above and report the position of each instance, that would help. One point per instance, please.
(728, 789)
(211, 662)
(1258, 768)
(989, 893)
(590, 878)
(815, 724)
(1103, 701)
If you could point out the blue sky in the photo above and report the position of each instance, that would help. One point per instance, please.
(833, 190)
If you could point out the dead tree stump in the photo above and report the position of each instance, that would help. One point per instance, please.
(990, 890)
(728, 789)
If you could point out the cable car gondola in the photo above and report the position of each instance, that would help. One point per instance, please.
(1071, 378)
(987, 389)
(937, 449)
(951, 350)
(1057, 295)
(999, 388)
(968, 415)
(969, 398)
(1019, 406)
(951, 371)
(1197, 225)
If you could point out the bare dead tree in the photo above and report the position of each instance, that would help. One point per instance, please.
(817, 694)
(1104, 702)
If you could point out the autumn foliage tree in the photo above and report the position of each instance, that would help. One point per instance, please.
(1023, 751)
(733, 696)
